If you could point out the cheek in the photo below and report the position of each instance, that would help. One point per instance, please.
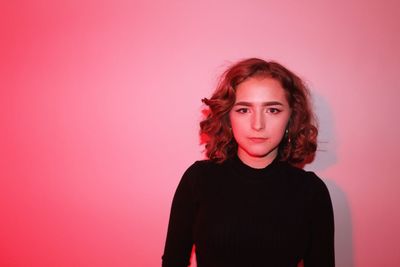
(282, 125)
(232, 121)
(237, 125)
(236, 131)
(279, 127)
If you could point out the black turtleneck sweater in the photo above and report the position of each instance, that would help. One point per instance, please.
(239, 216)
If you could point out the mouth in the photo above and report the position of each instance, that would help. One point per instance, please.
(258, 139)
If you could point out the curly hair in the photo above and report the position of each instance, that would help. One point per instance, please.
(300, 141)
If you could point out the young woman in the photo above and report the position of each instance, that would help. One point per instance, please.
(249, 205)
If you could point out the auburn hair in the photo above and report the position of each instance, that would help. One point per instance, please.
(299, 144)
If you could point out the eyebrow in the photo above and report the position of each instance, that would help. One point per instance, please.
(265, 104)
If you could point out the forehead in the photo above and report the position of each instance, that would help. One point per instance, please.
(261, 89)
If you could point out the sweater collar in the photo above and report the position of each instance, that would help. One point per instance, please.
(239, 167)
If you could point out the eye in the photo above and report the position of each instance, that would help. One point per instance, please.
(242, 110)
(273, 110)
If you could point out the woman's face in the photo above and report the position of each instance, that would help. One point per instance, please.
(259, 118)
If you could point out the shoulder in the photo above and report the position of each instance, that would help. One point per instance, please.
(305, 178)
(311, 188)
(206, 173)
(201, 167)
(198, 177)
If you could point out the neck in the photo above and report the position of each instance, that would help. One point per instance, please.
(256, 162)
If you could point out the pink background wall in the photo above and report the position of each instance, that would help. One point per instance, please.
(100, 104)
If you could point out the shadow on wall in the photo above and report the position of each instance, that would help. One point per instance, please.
(343, 226)
(326, 157)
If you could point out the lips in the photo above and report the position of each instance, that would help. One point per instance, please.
(258, 139)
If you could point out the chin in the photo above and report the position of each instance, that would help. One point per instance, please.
(260, 154)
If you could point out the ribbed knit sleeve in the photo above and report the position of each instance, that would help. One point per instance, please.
(179, 241)
(321, 247)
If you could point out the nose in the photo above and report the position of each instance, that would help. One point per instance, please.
(258, 121)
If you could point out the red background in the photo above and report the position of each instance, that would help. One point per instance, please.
(100, 104)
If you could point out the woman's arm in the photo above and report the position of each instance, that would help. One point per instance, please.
(179, 243)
